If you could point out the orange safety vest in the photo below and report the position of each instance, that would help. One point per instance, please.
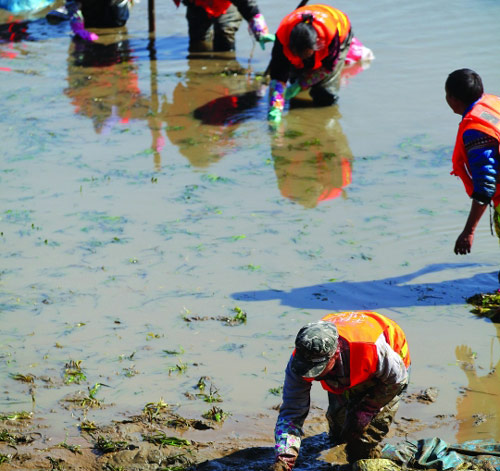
(361, 329)
(214, 8)
(327, 22)
(485, 117)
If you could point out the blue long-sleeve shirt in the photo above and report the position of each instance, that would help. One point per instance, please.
(482, 155)
(483, 159)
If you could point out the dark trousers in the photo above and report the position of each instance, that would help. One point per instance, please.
(105, 13)
(212, 34)
(366, 446)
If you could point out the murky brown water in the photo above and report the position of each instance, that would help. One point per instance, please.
(136, 193)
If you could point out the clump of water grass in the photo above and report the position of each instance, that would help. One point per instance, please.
(161, 438)
(106, 445)
(208, 392)
(216, 414)
(22, 415)
(179, 368)
(240, 317)
(88, 426)
(73, 372)
(73, 448)
(14, 439)
(276, 391)
(88, 401)
(486, 305)
(24, 378)
(177, 462)
(153, 410)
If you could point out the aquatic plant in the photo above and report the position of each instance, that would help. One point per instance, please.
(87, 426)
(179, 368)
(276, 391)
(106, 445)
(486, 304)
(23, 415)
(73, 372)
(73, 448)
(216, 414)
(160, 438)
(28, 378)
(153, 409)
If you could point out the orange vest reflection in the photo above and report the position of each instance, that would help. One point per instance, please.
(478, 408)
(311, 169)
(103, 85)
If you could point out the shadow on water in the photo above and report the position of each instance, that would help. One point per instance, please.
(229, 110)
(393, 292)
(204, 130)
(261, 458)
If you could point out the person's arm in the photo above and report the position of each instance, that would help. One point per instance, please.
(464, 241)
(279, 70)
(77, 22)
(256, 21)
(482, 156)
(293, 412)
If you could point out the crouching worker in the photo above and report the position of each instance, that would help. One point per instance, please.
(85, 14)
(213, 24)
(361, 358)
(310, 50)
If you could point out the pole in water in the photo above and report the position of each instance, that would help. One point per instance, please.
(151, 15)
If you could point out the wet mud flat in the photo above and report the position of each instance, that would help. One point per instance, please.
(159, 438)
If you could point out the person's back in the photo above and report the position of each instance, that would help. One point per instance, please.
(476, 154)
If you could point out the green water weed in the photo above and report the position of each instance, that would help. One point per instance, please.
(23, 415)
(216, 414)
(276, 391)
(73, 372)
(57, 464)
(106, 445)
(87, 426)
(24, 378)
(160, 438)
(152, 410)
(179, 368)
(73, 448)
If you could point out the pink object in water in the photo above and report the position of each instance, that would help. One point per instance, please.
(358, 52)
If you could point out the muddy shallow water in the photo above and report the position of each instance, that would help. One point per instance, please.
(144, 197)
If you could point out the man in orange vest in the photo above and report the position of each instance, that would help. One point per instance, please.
(311, 45)
(213, 24)
(362, 359)
(475, 158)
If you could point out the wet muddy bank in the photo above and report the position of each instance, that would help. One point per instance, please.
(160, 438)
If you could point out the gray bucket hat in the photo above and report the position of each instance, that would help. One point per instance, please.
(315, 345)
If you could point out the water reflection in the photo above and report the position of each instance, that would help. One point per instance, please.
(310, 170)
(478, 408)
(103, 85)
(209, 139)
(15, 30)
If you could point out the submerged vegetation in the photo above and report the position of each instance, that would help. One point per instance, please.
(486, 305)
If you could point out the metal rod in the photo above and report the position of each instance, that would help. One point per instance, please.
(151, 15)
